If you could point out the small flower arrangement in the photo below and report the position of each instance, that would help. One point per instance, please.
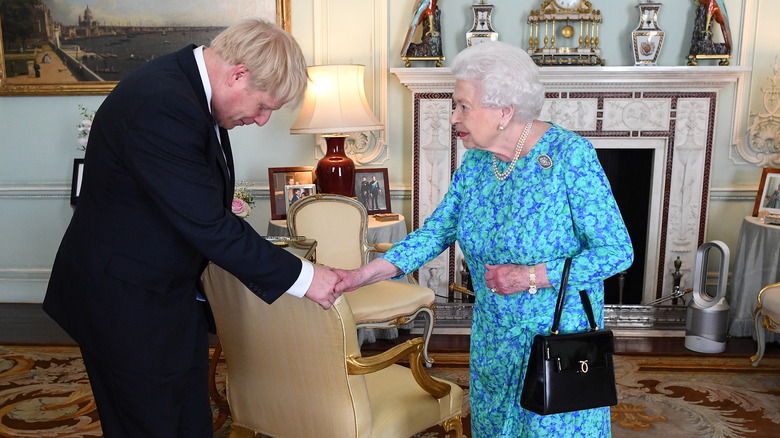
(84, 126)
(242, 200)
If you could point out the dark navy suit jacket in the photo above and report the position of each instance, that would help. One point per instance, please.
(153, 210)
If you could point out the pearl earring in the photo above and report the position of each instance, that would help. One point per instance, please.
(500, 127)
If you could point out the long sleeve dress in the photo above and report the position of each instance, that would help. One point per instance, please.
(539, 214)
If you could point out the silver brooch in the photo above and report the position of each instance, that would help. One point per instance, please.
(545, 161)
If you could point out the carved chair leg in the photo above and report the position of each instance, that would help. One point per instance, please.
(430, 321)
(760, 338)
(216, 397)
(454, 425)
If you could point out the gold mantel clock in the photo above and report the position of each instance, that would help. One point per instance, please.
(571, 33)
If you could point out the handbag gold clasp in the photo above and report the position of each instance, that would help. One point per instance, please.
(583, 366)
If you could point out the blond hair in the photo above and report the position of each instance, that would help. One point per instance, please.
(273, 57)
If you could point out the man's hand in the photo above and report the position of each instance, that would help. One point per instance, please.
(350, 280)
(322, 289)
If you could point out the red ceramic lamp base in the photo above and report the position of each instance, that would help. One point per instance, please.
(336, 171)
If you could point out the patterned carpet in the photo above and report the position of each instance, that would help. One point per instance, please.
(44, 391)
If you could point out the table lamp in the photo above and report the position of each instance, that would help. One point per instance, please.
(335, 105)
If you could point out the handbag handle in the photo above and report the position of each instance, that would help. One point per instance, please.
(562, 293)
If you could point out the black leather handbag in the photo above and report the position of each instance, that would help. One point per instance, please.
(570, 372)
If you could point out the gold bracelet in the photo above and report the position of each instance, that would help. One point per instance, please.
(532, 279)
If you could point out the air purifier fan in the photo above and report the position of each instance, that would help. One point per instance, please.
(707, 316)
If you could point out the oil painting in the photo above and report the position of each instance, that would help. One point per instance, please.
(66, 47)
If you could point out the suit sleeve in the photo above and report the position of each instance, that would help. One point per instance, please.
(171, 150)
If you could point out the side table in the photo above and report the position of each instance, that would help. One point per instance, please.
(757, 264)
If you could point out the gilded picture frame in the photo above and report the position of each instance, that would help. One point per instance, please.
(23, 70)
(768, 196)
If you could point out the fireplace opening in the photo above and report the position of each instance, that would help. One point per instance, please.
(630, 174)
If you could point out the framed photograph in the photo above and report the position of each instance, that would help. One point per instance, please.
(63, 47)
(372, 190)
(78, 175)
(294, 193)
(768, 197)
(282, 182)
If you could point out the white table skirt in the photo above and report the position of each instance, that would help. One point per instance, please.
(757, 265)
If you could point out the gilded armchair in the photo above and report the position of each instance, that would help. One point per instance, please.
(766, 316)
(295, 370)
(339, 224)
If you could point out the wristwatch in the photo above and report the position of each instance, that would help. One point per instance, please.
(532, 279)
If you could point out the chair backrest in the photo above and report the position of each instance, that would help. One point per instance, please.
(287, 374)
(338, 223)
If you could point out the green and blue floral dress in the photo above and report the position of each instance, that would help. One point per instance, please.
(556, 203)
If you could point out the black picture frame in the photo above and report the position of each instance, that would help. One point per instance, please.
(78, 176)
(377, 200)
(278, 179)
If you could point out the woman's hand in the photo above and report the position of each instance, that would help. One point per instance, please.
(510, 279)
(377, 270)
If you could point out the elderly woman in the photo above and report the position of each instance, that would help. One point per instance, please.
(527, 195)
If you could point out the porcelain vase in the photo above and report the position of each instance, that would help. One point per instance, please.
(648, 38)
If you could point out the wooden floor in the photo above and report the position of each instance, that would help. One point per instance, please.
(28, 324)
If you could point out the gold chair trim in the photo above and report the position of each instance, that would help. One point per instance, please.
(455, 424)
(764, 289)
(411, 349)
(770, 324)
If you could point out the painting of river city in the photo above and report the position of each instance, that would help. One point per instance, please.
(65, 41)
(109, 57)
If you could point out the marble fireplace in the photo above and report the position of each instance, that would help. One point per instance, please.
(669, 113)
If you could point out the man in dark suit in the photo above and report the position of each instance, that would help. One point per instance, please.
(154, 209)
(365, 191)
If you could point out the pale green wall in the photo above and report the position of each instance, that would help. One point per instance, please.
(39, 140)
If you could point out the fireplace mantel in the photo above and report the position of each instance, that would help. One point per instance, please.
(705, 78)
(669, 110)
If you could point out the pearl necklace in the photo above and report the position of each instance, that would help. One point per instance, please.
(518, 151)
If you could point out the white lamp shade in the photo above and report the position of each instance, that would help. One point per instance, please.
(335, 102)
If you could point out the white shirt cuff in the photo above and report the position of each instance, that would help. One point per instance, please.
(304, 280)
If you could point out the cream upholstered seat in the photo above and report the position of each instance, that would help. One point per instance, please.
(766, 316)
(295, 370)
(339, 224)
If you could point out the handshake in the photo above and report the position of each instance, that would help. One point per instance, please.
(329, 283)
